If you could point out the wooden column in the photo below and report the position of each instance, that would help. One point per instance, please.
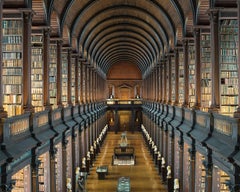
(151, 86)
(84, 74)
(27, 97)
(181, 163)
(165, 143)
(160, 83)
(156, 83)
(132, 128)
(3, 114)
(171, 137)
(176, 76)
(197, 69)
(91, 84)
(81, 82)
(116, 121)
(46, 62)
(169, 99)
(59, 73)
(215, 103)
(164, 80)
(94, 85)
(148, 87)
(77, 80)
(34, 174)
(192, 154)
(52, 168)
(74, 165)
(209, 170)
(64, 165)
(88, 84)
(186, 73)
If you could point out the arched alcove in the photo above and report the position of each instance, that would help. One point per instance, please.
(124, 78)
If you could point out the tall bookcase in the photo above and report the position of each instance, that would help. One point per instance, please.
(200, 176)
(22, 180)
(53, 74)
(43, 173)
(37, 71)
(220, 179)
(12, 71)
(41, 183)
(73, 63)
(69, 158)
(167, 78)
(181, 77)
(176, 157)
(79, 81)
(228, 65)
(19, 181)
(58, 167)
(64, 77)
(205, 56)
(192, 76)
(186, 167)
(173, 81)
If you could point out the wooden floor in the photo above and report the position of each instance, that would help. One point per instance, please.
(144, 175)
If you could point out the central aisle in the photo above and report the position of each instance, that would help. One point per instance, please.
(143, 176)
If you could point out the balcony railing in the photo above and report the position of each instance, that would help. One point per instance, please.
(124, 102)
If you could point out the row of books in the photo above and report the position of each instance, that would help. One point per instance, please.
(12, 89)
(12, 39)
(12, 63)
(12, 99)
(11, 47)
(16, 79)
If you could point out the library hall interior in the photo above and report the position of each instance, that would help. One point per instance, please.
(119, 95)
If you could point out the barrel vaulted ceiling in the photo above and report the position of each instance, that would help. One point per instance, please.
(107, 32)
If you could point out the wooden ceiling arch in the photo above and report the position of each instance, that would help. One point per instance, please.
(102, 32)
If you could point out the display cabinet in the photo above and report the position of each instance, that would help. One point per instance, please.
(37, 71)
(12, 66)
(205, 57)
(228, 65)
